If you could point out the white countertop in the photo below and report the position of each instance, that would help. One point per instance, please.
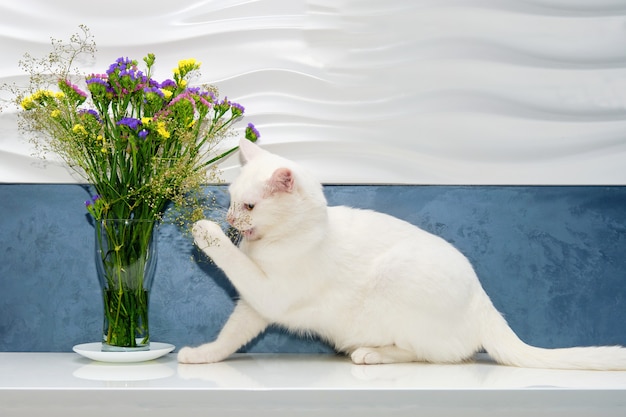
(317, 385)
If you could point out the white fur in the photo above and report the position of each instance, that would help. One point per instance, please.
(375, 287)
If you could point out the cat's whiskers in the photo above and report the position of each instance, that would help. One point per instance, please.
(239, 217)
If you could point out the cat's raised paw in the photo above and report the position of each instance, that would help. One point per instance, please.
(366, 356)
(207, 234)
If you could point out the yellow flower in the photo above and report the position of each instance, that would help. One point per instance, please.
(55, 113)
(166, 93)
(161, 129)
(41, 94)
(187, 65)
(28, 103)
(146, 120)
(79, 130)
(39, 97)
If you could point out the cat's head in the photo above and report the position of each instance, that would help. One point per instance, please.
(273, 196)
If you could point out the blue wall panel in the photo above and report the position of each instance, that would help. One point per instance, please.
(552, 259)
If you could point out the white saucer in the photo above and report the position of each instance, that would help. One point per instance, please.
(94, 351)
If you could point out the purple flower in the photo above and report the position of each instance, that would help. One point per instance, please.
(99, 81)
(92, 201)
(154, 90)
(98, 84)
(121, 64)
(252, 134)
(130, 122)
(133, 75)
(237, 109)
(98, 78)
(143, 133)
(222, 106)
(125, 78)
(168, 84)
(208, 95)
(91, 112)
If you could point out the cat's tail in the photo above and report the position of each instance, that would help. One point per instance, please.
(503, 345)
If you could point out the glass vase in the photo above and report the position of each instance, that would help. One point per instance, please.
(125, 263)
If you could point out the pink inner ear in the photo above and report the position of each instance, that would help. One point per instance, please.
(281, 181)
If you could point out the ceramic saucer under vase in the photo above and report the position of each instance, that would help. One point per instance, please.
(94, 351)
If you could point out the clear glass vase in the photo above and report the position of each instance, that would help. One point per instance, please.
(125, 263)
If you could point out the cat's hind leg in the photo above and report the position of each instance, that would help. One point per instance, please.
(383, 354)
(241, 327)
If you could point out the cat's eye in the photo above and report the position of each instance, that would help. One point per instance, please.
(248, 206)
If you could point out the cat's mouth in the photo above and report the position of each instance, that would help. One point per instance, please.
(249, 234)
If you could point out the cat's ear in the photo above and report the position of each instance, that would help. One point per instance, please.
(281, 181)
(249, 150)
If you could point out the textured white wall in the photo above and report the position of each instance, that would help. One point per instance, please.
(376, 91)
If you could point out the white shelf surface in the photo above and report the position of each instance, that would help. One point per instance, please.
(289, 385)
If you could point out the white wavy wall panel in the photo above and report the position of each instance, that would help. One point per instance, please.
(376, 91)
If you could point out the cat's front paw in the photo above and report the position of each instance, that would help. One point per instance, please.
(207, 235)
(366, 356)
(202, 354)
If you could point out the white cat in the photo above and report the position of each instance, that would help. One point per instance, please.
(375, 287)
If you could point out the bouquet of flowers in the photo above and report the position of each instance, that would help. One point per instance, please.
(142, 144)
